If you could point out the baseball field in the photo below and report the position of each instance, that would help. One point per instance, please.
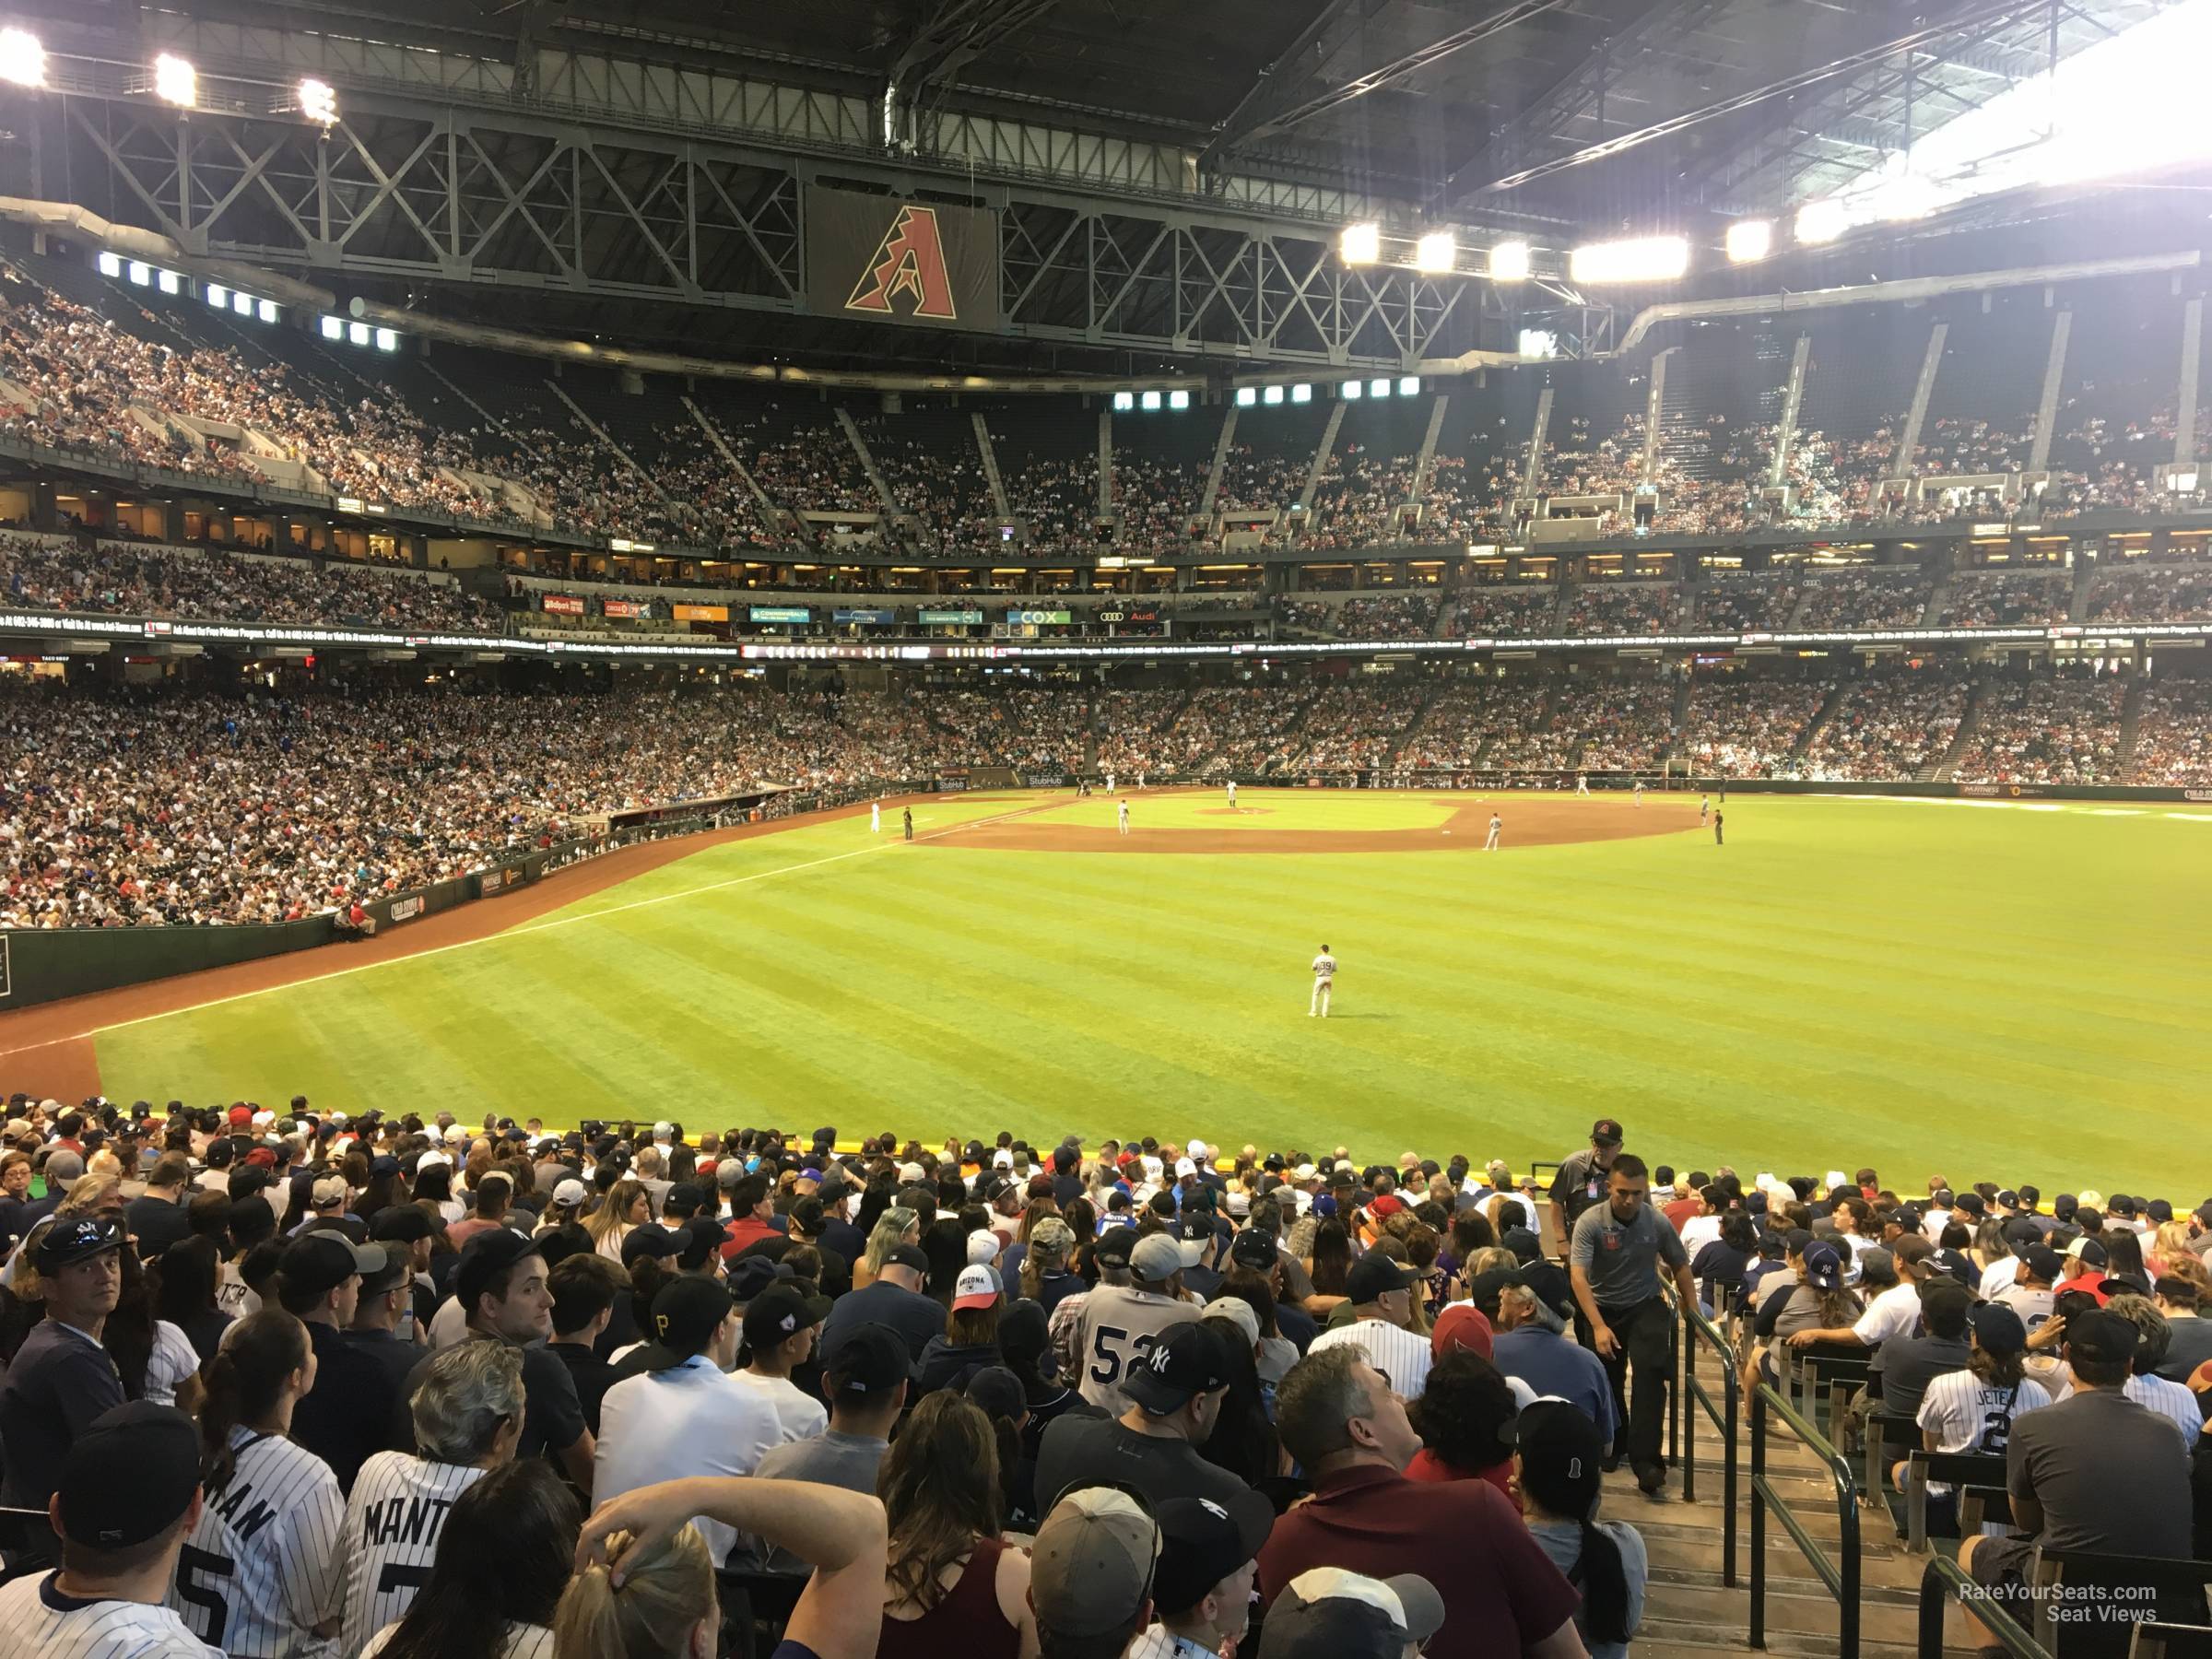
(2013, 990)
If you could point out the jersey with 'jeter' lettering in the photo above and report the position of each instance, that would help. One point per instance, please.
(392, 1520)
(260, 1569)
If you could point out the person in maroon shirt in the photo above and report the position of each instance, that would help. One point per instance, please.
(1501, 1594)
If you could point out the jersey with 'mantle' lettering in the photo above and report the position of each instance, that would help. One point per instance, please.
(393, 1521)
(37, 1621)
(262, 1568)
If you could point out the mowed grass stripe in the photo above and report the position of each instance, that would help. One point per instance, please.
(1886, 977)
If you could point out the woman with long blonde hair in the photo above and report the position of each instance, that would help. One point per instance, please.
(627, 1206)
(896, 1226)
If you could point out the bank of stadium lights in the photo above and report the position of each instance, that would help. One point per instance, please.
(319, 103)
(1821, 221)
(1509, 261)
(22, 58)
(1436, 252)
(1360, 245)
(1748, 239)
(344, 331)
(1635, 259)
(176, 81)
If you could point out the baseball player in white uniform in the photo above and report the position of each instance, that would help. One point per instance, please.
(1639, 793)
(1581, 783)
(1232, 795)
(1496, 828)
(1325, 977)
(1120, 812)
(874, 817)
(1704, 809)
(1109, 783)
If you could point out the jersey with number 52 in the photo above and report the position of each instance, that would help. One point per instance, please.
(1119, 1326)
(392, 1520)
(262, 1570)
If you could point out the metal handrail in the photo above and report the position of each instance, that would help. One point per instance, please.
(1946, 1579)
(1841, 1576)
(1725, 1418)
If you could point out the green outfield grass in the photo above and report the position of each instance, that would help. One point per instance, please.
(2000, 991)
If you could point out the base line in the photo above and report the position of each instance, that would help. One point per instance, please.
(533, 928)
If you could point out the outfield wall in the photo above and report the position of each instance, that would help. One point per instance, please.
(41, 965)
(1614, 782)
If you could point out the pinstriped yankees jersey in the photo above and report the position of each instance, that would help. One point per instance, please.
(262, 1567)
(392, 1521)
(37, 1621)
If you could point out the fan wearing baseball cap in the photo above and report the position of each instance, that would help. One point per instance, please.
(1127, 1315)
(1202, 1588)
(1974, 1410)
(1327, 1613)
(1092, 1571)
(1380, 1292)
(1350, 1434)
(62, 1377)
(2094, 1472)
(780, 1328)
(867, 1383)
(1559, 1461)
(683, 1413)
(970, 1340)
(1175, 1395)
(128, 1494)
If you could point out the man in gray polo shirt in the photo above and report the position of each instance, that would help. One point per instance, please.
(1614, 1258)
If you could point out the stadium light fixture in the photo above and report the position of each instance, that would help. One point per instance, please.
(1179, 400)
(22, 58)
(318, 101)
(1272, 394)
(217, 295)
(110, 264)
(140, 272)
(1360, 245)
(176, 81)
(169, 282)
(1509, 261)
(1148, 401)
(1350, 389)
(1748, 239)
(1821, 221)
(1378, 388)
(333, 328)
(387, 340)
(1409, 385)
(1247, 396)
(1435, 253)
(356, 334)
(1539, 343)
(241, 303)
(264, 310)
(1635, 259)
(1301, 393)
(1124, 402)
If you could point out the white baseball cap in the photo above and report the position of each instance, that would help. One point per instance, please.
(1183, 1166)
(983, 1246)
(976, 1288)
(1003, 1159)
(568, 1194)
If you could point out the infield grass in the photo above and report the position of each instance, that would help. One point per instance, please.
(1999, 992)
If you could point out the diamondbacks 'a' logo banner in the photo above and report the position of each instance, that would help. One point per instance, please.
(875, 258)
(909, 267)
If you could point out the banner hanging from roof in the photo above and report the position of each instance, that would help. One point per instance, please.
(879, 259)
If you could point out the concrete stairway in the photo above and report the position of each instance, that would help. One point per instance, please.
(1938, 596)
(2085, 578)
(2131, 723)
(1405, 733)
(1690, 1607)
(1827, 712)
(1969, 724)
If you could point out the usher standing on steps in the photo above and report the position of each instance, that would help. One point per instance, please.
(1617, 1250)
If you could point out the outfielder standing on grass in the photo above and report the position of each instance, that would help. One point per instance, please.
(1324, 976)
(1496, 828)
(874, 817)
(909, 815)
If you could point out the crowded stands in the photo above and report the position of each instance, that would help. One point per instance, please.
(290, 1381)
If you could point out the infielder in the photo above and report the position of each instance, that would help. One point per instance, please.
(1496, 828)
(1581, 783)
(874, 817)
(1639, 795)
(1122, 814)
(1324, 976)
(1109, 783)
(1716, 831)
(1704, 809)
(1232, 795)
